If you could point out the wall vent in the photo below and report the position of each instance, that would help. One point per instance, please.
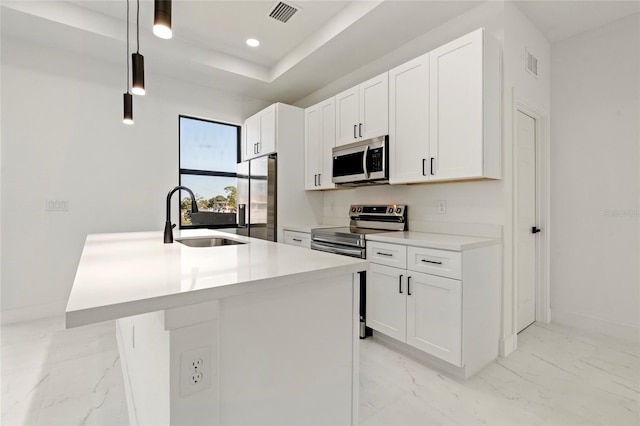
(281, 11)
(531, 63)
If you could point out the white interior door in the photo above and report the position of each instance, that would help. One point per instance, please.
(526, 220)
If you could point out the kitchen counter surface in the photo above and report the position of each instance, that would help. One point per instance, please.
(127, 274)
(305, 228)
(436, 241)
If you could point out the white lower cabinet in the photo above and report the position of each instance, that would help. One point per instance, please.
(430, 311)
(295, 238)
(434, 316)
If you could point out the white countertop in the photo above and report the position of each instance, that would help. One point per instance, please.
(305, 228)
(430, 240)
(127, 274)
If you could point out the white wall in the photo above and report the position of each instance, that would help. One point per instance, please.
(63, 138)
(595, 199)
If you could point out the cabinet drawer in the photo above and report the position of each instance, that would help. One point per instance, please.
(436, 262)
(300, 239)
(387, 254)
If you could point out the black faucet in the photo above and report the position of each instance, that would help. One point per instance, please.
(168, 227)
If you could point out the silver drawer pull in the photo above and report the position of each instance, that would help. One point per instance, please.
(384, 254)
(431, 261)
(297, 239)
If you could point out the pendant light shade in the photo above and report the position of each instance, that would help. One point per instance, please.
(137, 61)
(128, 108)
(162, 19)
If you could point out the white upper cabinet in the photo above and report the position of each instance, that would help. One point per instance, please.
(445, 113)
(260, 134)
(362, 112)
(320, 138)
(409, 121)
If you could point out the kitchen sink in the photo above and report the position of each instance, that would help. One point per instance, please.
(208, 242)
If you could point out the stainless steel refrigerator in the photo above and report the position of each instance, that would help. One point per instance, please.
(256, 198)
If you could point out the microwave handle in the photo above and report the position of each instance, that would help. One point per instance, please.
(364, 161)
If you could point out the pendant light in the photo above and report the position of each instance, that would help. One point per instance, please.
(137, 60)
(127, 98)
(162, 19)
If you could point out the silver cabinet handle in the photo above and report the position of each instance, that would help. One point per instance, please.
(360, 130)
(315, 180)
(408, 286)
(431, 261)
(400, 284)
(384, 254)
(354, 131)
(297, 239)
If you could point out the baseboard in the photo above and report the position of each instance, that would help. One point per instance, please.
(595, 324)
(29, 313)
(507, 345)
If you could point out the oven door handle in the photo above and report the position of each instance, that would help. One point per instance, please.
(331, 243)
(364, 161)
(337, 250)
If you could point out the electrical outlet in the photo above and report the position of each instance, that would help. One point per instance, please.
(196, 364)
(442, 207)
(195, 370)
(196, 378)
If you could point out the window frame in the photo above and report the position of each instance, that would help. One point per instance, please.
(195, 172)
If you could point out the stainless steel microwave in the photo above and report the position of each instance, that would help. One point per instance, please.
(361, 163)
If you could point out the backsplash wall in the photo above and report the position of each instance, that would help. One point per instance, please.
(472, 208)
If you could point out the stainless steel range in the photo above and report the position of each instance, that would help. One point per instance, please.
(352, 240)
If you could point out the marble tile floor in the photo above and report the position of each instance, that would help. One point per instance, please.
(558, 376)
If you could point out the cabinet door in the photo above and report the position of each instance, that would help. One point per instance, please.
(327, 142)
(312, 133)
(347, 116)
(456, 124)
(386, 301)
(252, 137)
(409, 121)
(267, 142)
(374, 107)
(434, 316)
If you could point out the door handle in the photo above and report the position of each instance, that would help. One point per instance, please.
(432, 158)
(364, 161)
(354, 131)
(319, 181)
(408, 286)
(297, 240)
(383, 254)
(400, 284)
(315, 180)
(535, 230)
(360, 130)
(431, 261)
(424, 161)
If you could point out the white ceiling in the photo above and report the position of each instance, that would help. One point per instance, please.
(561, 19)
(322, 42)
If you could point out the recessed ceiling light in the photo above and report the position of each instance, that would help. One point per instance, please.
(253, 42)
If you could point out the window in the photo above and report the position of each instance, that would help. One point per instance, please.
(208, 159)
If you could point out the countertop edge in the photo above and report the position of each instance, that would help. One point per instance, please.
(80, 317)
(434, 244)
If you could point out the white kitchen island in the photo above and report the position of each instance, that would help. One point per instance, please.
(256, 333)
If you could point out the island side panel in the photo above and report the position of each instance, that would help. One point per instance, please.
(287, 355)
(144, 354)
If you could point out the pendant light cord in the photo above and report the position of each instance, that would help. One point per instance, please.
(127, 46)
(138, 26)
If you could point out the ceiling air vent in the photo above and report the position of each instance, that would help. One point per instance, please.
(531, 63)
(282, 11)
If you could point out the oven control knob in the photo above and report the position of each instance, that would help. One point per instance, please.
(390, 210)
(353, 209)
(398, 210)
(359, 209)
